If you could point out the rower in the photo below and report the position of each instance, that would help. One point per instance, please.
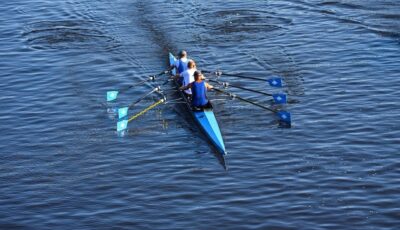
(188, 76)
(181, 64)
(199, 91)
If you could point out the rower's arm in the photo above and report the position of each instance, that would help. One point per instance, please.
(185, 87)
(175, 77)
(209, 86)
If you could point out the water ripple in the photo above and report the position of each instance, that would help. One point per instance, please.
(63, 166)
(67, 35)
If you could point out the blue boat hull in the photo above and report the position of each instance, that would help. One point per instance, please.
(205, 119)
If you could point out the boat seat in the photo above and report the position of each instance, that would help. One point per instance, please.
(202, 108)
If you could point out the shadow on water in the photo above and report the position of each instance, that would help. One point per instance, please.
(249, 21)
(165, 42)
(68, 34)
(156, 33)
(221, 159)
(241, 25)
(190, 123)
(373, 12)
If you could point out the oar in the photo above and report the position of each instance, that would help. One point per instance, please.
(279, 98)
(123, 124)
(112, 95)
(282, 115)
(273, 81)
(123, 112)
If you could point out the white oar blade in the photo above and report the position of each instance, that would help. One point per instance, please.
(275, 82)
(112, 95)
(122, 112)
(122, 125)
(279, 98)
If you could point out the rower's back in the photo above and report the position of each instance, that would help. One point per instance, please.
(182, 63)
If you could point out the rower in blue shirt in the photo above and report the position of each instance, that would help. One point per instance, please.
(199, 91)
(180, 65)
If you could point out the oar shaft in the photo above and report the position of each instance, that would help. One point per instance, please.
(245, 100)
(133, 85)
(143, 97)
(245, 77)
(146, 109)
(240, 87)
(150, 78)
(219, 73)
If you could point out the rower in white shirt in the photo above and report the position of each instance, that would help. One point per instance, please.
(187, 76)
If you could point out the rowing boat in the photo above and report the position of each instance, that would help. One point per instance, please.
(204, 118)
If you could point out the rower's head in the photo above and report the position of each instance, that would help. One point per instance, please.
(191, 64)
(198, 76)
(182, 54)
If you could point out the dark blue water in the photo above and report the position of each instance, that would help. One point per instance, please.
(63, 166)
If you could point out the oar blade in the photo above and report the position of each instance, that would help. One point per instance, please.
(285, 117)
(279, 98)
(123, 112)
(275, 82)
(122, 125)
(112, 95)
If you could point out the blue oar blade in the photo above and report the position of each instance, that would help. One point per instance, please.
(112, 95)
(279, 98)
(285, 117)
(275, 82)
(123, 112)
(122, 125)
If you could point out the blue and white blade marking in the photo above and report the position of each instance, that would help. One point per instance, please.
(275, 82)
(284, 116)
(279, 98)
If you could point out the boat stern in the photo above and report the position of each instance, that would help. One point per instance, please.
(210, 126)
